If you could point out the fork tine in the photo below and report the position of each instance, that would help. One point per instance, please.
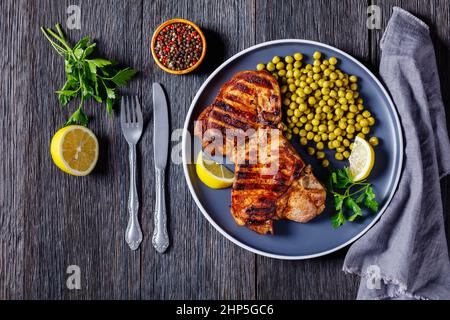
(123, 118)
(132, 110)
(138, 111)
(127, 109)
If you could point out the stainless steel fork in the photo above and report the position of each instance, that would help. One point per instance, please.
(132, 124)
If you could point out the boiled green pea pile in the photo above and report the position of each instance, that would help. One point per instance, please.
(321, 104)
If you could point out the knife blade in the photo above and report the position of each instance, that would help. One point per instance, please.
(160, 239)
(161, 127)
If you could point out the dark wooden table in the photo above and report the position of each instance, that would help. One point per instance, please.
(49, 220)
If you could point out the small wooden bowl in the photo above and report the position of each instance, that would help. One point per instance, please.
(156, 33)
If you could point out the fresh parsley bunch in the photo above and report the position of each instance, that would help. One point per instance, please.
(355, 195)
(87, 77)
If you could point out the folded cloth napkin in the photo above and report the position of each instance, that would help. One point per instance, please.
(405, 255)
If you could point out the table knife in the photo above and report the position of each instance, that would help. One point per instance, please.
(160, 238)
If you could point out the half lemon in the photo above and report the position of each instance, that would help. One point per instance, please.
(213, 174)
(361, 159)
(74, 150)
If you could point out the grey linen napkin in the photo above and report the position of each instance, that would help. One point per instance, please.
(405, 255)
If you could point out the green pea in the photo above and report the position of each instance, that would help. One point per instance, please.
(260, 66)
(333, 61)
(339, 156)
(353, 78)
(289, 59)
(322, 128)
(317, 138)
(270, 66)
(364, 123)
(276, 59)
(320, 155)
(302, 107)
(298, 56)
(317, 55)
(374, 141)
(353, 108)
(292, 87)
(340, 149)
(346, 142)
(279, 65)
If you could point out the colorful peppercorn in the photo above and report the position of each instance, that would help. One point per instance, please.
(178, 46)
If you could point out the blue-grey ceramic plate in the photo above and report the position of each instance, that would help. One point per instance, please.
(295, 240)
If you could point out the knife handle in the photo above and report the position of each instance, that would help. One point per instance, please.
(160, 238)
(133, 234)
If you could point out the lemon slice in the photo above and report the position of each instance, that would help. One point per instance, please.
(213, 174)
(74, 150)
(361, 159)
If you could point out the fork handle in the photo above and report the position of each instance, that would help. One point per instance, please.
(133, 234)
(160, 238)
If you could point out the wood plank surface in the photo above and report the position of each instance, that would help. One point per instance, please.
(12, 114)
(68, 220)
(200, 262)
(49, 220)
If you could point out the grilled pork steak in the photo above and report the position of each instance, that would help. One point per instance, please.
(272, 181)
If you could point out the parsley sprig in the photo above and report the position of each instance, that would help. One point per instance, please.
(87, 77)
(349, 196)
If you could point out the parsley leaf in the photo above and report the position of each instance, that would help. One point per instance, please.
(123, 76)
(86, 77)
(78, 117)
(338, 219)
(369, 199)
(349, 196)
(353, 206)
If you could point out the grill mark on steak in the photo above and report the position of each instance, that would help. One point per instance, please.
(252, 100)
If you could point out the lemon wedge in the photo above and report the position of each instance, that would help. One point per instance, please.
(213, 174)
(361, 159)
(74, 150)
